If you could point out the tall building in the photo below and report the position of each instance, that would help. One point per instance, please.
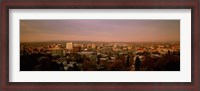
(69, 46)
(93, 46)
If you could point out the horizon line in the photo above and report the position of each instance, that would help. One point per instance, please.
(93, 41)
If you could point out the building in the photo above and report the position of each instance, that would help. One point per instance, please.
(69, 46)
(76, 49)
(56, 47)
(93, 46)
(57, 52)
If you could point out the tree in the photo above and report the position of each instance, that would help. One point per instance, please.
(137, 64)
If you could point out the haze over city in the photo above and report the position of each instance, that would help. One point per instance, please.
(100, 30)
(99, 45)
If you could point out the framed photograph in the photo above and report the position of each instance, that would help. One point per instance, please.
(100, 45)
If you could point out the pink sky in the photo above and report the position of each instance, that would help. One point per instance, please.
(100, 30)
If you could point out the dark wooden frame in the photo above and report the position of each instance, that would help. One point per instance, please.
(103, 4)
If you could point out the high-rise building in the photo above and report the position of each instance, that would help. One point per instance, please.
(93, 46)
(69, 46)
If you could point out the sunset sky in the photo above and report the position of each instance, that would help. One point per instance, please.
(100, 30)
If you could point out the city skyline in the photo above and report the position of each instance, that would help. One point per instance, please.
(100, 30)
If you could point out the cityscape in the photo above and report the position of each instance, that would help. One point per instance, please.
(99, 45)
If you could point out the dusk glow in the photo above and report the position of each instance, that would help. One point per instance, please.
(100, 30)
(100, 45)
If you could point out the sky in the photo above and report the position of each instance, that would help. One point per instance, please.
(100, 30)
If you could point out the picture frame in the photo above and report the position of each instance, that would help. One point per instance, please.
(119, 4)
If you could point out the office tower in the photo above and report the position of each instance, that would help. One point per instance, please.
(69, 46)
(93, 46)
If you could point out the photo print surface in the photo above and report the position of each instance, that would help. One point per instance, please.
(99, 45)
